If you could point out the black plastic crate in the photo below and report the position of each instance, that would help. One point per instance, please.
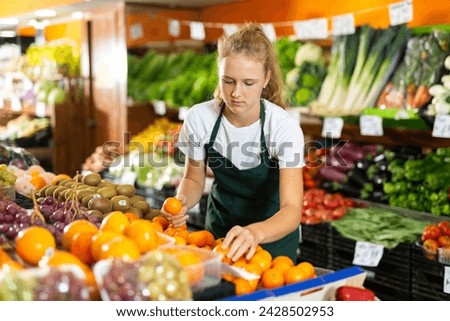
(315, 244)
(393, 271)
(427, 278)
(387, 293)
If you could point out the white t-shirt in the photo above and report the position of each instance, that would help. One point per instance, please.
(241, 145)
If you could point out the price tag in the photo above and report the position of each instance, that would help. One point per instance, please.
(311, 29)
(160, 107)
(332, 127)
(447, 279)
(269, 30)
(229, 28)
(371, 125)
(441, 126)
(400, 12)
(367, 254)
(128, 178)
(16, 105)
(40, 109)
(197, 30)
(136, 31)
(182, 112)
(174, 28)
(343, 24)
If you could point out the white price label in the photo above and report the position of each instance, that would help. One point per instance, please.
(136, 31)
(441, 126)
(344, 24)
(400, 12)
(197, 30)
(371, 125)
(269, 30)
(229, 28)
(447, 279)
(311, 29)
(40, 109)
(174, 28)
(159, 107)
(16, 105)
(182, 112)
(128, 178)
(332, 127)
(367, 254)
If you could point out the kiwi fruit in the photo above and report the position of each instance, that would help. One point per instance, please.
(107, 192)
(152, 214)
(92, 179)
(41, 192)
(97, 213)
(126, 189)
(49, 191)
(82, 193)
(121, 203)
(68, 184)
(58, 190)
(101, 204)
(93, 188)
(105, 183)
(143, 206)
(135, 211)
(136, 198)
(87, 198)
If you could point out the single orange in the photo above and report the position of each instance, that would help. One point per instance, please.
(161, 220)
(32, 242)
(131, 216)
(179, 240)
(100, 238)
(115, 221)
(198, 238)
(282, 259)
(242, 286)
(262, 258)
(38, 182)
(81, 246)
(73, 228)
(157, 227)
(120, 247)
(172, 205)
(294, 275)
(308, 269)
(254, 269)
(4, 257)
(272, 278)
(142, 232)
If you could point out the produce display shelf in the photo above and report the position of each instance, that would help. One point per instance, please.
(393, 273)
(427, 278)
(314, 244)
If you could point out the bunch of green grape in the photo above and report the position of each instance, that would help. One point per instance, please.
(7, 177)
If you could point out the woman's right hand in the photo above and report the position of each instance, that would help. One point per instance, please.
(179, 219)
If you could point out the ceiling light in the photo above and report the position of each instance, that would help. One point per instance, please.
(45, 13)
(9, 21)
(7, 34)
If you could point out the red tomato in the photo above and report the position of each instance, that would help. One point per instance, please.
(444, 226)
(431, 246)
(338, 213)
(431, 232)
(444, 241)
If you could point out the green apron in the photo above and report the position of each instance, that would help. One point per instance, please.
(245, 196)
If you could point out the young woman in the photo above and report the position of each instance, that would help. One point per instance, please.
(254, 148)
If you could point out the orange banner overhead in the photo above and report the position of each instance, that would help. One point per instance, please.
(17, 7)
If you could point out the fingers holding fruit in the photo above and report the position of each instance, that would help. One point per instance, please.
(174, 210)
(240, 241)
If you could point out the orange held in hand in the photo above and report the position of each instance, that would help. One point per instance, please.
(172, 205)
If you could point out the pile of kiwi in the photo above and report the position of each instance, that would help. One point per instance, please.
(99, 195)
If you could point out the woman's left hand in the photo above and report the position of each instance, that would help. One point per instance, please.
(240, 241)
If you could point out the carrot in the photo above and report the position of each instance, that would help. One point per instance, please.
(421, 97)
(382, 99)
(410, 94)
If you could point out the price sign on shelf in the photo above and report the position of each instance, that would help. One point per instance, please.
(311, 29)
(400, 12)
(367, 254)
(441, 126)
(343, 24)
(332, 127)
(160, 107)
(40, 109)
(136, 31)
(447, 279)
(371, 125)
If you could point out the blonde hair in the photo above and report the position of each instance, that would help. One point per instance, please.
(252, 42)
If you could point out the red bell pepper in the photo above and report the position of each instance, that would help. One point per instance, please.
(353, 293)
